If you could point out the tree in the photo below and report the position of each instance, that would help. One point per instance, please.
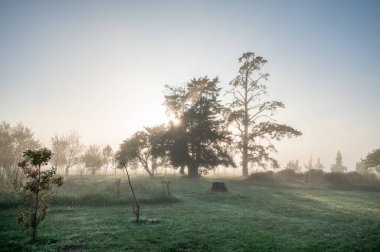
(107, 154)
(338, 166)
(319, 165)
(309, 166)
(252, 116)
(294, 166)
(14, 140)
(67, 149)
(37, 190)
(197, 137)
(92, 159)
(372, 160)
(143, 147)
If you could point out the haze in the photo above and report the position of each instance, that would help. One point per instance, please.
(99, 67)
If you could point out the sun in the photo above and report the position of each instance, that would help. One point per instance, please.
(177, 122)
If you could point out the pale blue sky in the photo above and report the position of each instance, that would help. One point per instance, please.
(99, 67)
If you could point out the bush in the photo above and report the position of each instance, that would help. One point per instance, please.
(289, 175)
(264, 177)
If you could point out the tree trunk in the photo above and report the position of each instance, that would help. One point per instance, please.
(67, 171)
(182, 170)
(93, 171)
(34, 219)
(193, 171)
(245, 133)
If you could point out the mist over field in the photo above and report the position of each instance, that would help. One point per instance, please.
(189, 126)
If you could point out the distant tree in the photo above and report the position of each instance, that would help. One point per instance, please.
(319, 165)
(252, 116)
(14, 140)
(107, 154)
(310, 165)
(197, 138)
(142, 146)
(37, 190)
(67, 150)
(293, 165)
(338, 166)
(372, 160)
(92, 159)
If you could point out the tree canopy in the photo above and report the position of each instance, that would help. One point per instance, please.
(198, 138)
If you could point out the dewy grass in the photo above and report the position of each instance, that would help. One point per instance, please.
(247, 218)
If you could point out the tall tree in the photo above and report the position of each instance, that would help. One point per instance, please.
(252, 116)
(67, 150)
(143, 147)
(372, 160)
(92, 159)
(338, 166)
(198, 138)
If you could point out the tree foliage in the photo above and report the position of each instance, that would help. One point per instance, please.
(198, 138)
(372, 160)
(14, 140)
(67, 150)
(338, 166)
(107, 154)
(36, 192)
(144, 147)
(252, 115)
(93, 159)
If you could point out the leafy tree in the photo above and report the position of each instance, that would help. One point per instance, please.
(197, 138)
(36, 193)
(14, 140)
(252, 116)
(143, 146)
(107, 154)
(372, 160)
(92, 159)
(338, 166)
(67, 150)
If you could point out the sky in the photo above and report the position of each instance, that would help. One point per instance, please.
(100, 67)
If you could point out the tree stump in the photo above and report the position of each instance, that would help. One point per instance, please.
(219, 187)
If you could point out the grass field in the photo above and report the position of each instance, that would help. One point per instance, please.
(88, 216)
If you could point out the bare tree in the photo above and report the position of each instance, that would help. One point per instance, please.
(107, 154)
(67, 150)
(252, 116)
(14, 140)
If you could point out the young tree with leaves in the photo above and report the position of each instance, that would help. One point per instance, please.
(36, 193)
(197, 138)
(252, 116)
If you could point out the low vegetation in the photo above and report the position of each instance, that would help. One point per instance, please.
(87, 215)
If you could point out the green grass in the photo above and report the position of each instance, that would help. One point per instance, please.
(88, 216)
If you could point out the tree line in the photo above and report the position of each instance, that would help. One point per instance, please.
(204, 132)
